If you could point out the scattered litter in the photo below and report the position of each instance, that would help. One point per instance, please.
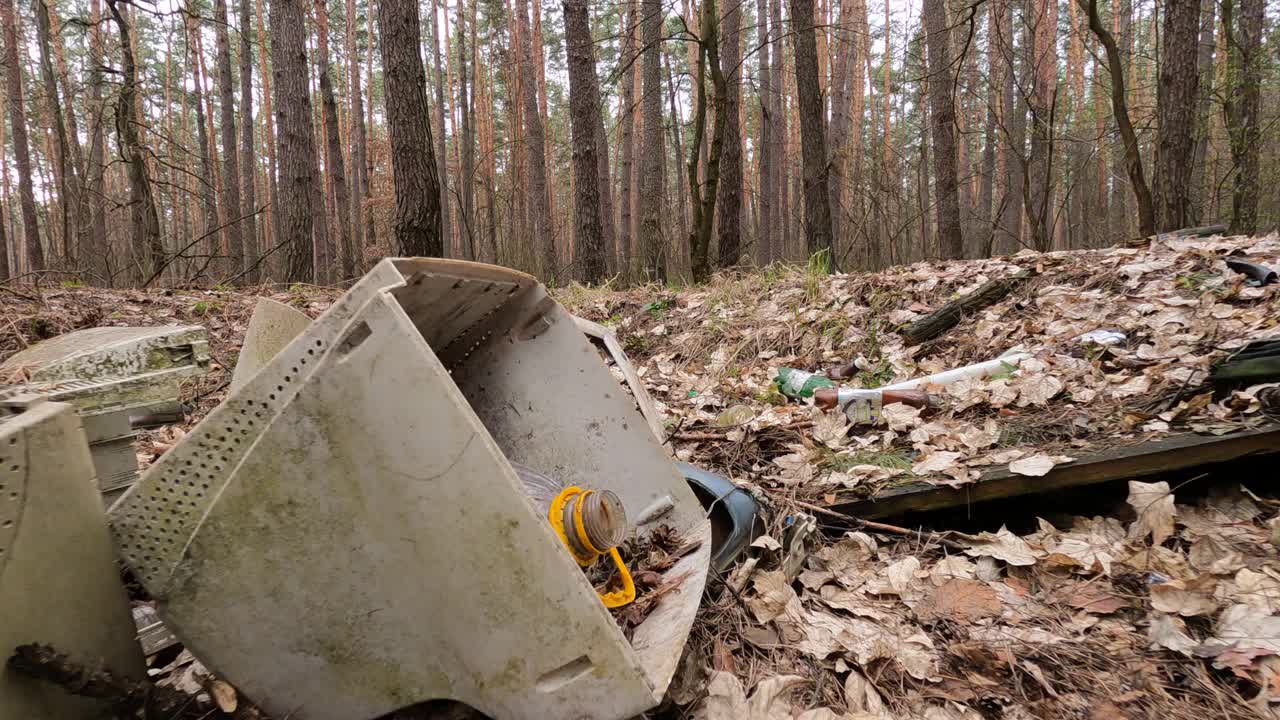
(1102, 337)
(1258, 275)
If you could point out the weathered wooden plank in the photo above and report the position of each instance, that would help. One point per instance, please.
(1176, 453)
(946, 317)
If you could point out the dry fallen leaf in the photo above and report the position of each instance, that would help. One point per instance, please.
(224, 695)
(1002, 545)
(1037, 465)
(1095, 598)
(772, 593)
(1170, 632)
(962, 601)
(1187, 599)
(1153, 503)
(1242, 634)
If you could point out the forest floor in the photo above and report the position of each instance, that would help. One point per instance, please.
(1164, 604)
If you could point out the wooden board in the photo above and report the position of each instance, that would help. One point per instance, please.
(1150, 458)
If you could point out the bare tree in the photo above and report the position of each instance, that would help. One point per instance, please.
(148, 250)
(413, 163)
(1120, 109)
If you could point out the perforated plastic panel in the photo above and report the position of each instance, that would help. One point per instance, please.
(154, 520)
(13, 486)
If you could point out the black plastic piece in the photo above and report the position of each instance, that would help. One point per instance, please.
(733, 512)
(1259, 274)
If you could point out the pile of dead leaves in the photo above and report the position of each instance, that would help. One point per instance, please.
(708, 356)
(1176, 615)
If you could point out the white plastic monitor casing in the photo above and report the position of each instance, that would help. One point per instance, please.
(344, 535)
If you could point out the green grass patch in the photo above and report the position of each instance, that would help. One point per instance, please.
(206, 307)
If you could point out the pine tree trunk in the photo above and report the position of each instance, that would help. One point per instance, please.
(584, 109)
(362, 228)
(441, 152)
(942, 110)
(272, 229)
(230, 151)
(926, 208)
(603, 176)
(1242, 107)
(765, 243)
(860, 229)
(650, 241)
(413, 162)
(813, 142)
(248, 163)
(1009, 227)
(1042, 57)
(466, 229)
(69, 195)
(674, 256)
(333, 138)
(781, 216)
(97, 252)
(1120, 215)
(986, 226)
(298, 180)
(1177, 95)
(1204, 66)
(148, 250)
(838, 131)
(208, 195)
(535, 152)
(1078, 215)
(21, 144)
(627, 116)
(729, 203)
(704, 197)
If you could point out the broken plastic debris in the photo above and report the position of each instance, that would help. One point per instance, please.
(1004, 364)
(1102, 337)
(1258, 275)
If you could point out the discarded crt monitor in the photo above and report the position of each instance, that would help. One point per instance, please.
(344, 536)
(59, 584)
(119, 379)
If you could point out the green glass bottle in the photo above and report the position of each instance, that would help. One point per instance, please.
(799, 383)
